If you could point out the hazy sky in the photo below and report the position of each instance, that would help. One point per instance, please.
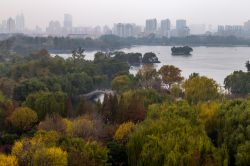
(101, 12)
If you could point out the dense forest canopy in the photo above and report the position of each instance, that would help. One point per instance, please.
(156, 117)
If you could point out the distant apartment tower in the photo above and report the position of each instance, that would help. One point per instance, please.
(119, 29)
(97, 31)
(68, 21)
(137, 30)
(4, 26)
(165, 27)
(124, 30)
(151, 26)
(54, 28)
(181, 24)
(221, 29)
(129, 30)
(106, 30)
(230, 30)
(11, 25)
(247, 27)
(20, 23)
(181, 28)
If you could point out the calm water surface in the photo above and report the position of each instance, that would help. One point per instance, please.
(213, 62)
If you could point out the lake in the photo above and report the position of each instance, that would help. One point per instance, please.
(213, 62)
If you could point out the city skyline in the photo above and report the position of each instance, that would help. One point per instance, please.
(113, 11)
(164, 27)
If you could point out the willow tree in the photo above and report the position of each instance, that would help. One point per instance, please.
(170, 136)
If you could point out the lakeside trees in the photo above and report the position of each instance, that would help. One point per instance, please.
(24, 45)
(170, 75)
(200, 89)
(238, 83)
(248, 66)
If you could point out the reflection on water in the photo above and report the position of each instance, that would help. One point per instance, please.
(214, 62)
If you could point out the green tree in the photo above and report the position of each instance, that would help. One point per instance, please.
(200, 88)
(248, 66)
(85, 107)
(100, 56)
(233, 128)
(150, 57)
(238, 83)
(131, 107)
(170, 136)
(23, 119)
(109, 109)
(242, 156)
(121, 83)
(78, 55)
(47, 103)
(117, 154)
(84, 153)
(77, 83)
(27, 87)
(7, 86)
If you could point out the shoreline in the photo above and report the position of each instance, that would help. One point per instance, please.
(55, 51)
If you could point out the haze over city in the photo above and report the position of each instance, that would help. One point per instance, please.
(108, 12)
(125, 83)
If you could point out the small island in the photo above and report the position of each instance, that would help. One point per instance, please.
(186, 50)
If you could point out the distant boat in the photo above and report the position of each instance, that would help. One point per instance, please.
(186, 50)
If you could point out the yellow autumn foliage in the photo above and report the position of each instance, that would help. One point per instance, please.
(23, 119)
(51, 157)
(69, 126)
(8, 160)
(208, 111)
(26, 148)
(124, 130)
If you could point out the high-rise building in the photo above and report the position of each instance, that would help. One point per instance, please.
(106, 30)
(247, 27)
(230, 30)
(165, 27)
(38, 30)
(68, 23)
(20, 23)
(119, 29)
(221, 29)
(97, 31)
(124, 30)
(11, 25)
(3, 26)
(129, 30)
(151, 26)
(181, 24)
(54, 28)
(137, 31)
(181, 28)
